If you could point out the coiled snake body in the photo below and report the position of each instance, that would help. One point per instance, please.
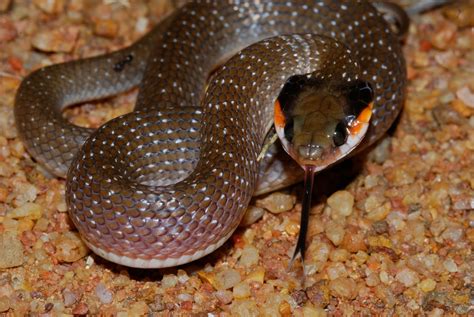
(169, 182)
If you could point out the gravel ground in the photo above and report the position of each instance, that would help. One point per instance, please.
(395, 238)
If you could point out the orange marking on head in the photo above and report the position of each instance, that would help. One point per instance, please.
(363, 118)
(279, 117)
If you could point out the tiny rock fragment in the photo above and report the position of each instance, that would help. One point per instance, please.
(382, 151)
(292, 227)
(11, 251)
(339, 255)
(407, 277)
(311, 311)
(354, 240)
(70, 297)
(450, 265)
(341, 203)
(319, 293)
(284, 309)
(466, 95)
(249, 256)
(59, 40)
(252, 215)
(462, 108)
(8, 31)
(106, 28)
(343, 287)
(138, 309)
(80, 309)
(444, 114)
(244, 307)
(453, 234)
(461, 14)
(5, 5)
(335, 232)
(222, 280)
(141, 25)
(318, 254)
(241, 290)
(169, 280)
(224, 296)
(277, 202)
(70, 247)
(256, 275)
(103, 293)
(379, 213)
(227, 278)
(443, 38)
(30, 210)
(336, 270)
(50, 6)
(4, 304)
(427, 285)
(447, 59)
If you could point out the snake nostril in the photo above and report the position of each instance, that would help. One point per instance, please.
(310, 151)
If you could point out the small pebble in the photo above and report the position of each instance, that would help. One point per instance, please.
(311, 311)
(466, 96)
(4, 6)
(277, 202)
(106, 28)
(318, 253)
(50, 6)
(453, 234)
(341, 203)
(445, 114)
(335, 232)
(8, 32)
(11, 251)
(257, 275)
(343, 287)
(30, 210)
(249, 256)
(184, 297)
(339, 255)
(58, 40)
(169, 280)
(227, 278)
(379, 213)
(70, 247)
(354, 240)
(336, 270)
(407, 277)
(70, 297)
(105, 295)
(427, 285)
(241, 290)
(224, 296)
(80, 309)
(372, 280)
(252, 215)
(4, 304)
(450, 265)
(138, 309)
(382, 151)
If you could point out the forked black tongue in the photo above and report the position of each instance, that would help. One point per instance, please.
(305, 207)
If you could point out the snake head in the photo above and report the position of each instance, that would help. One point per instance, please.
(320, 122)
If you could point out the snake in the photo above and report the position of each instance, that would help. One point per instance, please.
(169, 182)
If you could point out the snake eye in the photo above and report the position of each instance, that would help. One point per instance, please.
(360, 95)
(289, 130)
(339, 136)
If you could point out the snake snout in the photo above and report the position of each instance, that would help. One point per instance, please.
(310, 152)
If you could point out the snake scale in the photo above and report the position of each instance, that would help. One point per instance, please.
(169, 182)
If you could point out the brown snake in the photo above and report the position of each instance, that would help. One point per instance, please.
(170, 182)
